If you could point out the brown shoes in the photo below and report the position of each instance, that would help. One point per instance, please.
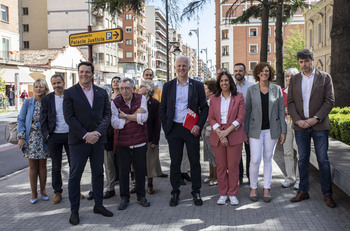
(300, 196)
(57, 199)
(329, 201)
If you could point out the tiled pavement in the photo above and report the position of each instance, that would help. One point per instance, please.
(17, 213)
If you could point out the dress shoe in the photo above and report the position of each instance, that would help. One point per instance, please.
(233, 200)
(197, 200)
(286, 184)
(182, 182)
(74, 218)
(267, 198)
(132, 189)
(296, 186)
(174, 201)
(329, 201)
(57, 199)
(300, 196)
(253, 198)
(163, 175)
(206, 180)
(222, 200)
(90, 196)
(109, 194)
(103, 211)
(150, 190)
(185, 176)
(34, 201)
(143, 202)
(123, 204)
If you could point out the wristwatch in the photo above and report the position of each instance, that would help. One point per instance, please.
(125, 117)
(318, 119)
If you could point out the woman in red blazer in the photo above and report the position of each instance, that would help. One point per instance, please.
(226, 116)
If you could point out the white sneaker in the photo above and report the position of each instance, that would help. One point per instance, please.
(222, 200)
(296, 186)
(234, 200)
(286, 184)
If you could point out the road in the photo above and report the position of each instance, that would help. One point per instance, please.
(11, 158)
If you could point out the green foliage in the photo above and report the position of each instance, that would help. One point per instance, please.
(293, 44)
(117, 6)
(340, 124)
(3, 98)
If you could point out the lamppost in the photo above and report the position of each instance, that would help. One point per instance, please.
(206, 60)
(211, 64)
(176, 51)
(197, 33)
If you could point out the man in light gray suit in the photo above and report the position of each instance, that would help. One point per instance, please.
(310, 99)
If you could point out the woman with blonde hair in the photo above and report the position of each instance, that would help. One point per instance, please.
(31, 141)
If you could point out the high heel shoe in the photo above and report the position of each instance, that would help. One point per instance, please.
(33, 201)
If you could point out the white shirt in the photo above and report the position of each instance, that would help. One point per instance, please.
(224, 106)
(244, 87)
(306, 86)
(61, 125)
(120, 123)
(181, 102)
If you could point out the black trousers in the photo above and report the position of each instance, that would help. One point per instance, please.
(241, 170)
(136, 156)
(79, 154)
(177, 137)
(55, 144)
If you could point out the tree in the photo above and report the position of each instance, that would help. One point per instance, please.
(3, 99)
(293, 44)
(117, 6)
(340, 62)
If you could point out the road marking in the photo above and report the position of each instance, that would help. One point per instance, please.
(8, 146)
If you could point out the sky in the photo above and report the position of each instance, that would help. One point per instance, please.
(206, 24)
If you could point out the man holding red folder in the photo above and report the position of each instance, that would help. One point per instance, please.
(178, 96)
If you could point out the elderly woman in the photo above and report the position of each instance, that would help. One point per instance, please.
(210, 89)
(226, 116)
(153, 128)
(289, 160)
(31, 140)
(264, 124)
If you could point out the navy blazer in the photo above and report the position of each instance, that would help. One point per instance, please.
(82, 118)
(197, 102)
(48, 115)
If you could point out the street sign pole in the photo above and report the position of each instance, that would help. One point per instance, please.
(90, 47)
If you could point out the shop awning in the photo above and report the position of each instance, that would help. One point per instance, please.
(9, 76)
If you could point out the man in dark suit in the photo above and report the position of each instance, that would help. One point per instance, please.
(55, 131)
(87, 111)
(310, 99)
(178, 95)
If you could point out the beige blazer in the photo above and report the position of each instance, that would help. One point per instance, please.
(253, 118)
(321, 100)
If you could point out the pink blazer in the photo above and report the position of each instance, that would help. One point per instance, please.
(236, 111)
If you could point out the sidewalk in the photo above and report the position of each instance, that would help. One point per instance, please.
(18, 214)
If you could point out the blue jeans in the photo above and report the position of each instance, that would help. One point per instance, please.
(320, 138)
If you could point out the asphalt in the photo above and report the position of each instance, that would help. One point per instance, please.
(17, 213)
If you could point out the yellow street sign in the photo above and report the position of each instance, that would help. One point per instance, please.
(96, 37)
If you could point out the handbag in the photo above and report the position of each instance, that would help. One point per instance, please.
(11, 135)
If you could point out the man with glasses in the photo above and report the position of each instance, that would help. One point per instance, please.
(129, 117)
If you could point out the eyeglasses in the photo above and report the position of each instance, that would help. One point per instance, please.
(125, 88)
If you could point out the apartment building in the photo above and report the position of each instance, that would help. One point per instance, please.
(192, 54)
(242, 42)
(47, 24)
(318, 26)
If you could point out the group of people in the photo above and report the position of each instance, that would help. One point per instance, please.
(122, 130)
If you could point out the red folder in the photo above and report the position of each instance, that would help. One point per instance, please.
(191, 119)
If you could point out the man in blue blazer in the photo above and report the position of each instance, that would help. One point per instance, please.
(178, 95)
(87, 111)
(55, 131)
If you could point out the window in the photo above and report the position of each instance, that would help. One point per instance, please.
(115, 60)
(128, 29)
(319, 33)
(225, 65)
(253, 48)
(330, 24)
(128, 42)
(269, 32)
(25, 27)
(225, 50)
(310, 37)
(269, 48)
(252, 65)
(224, 34)
(25, 44)
(25, 11)
(5, 48)
(253, 32)
(4, 13)
(128, 54)
(128, 17)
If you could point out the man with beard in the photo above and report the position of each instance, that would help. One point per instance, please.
(242, 85)
(55, 131)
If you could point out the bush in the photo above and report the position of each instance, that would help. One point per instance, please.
(344, 125)
(340, 124)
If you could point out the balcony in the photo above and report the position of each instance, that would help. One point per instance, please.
(141, 37)
(142, 48)
(7, 58)
(160, 31)
(161, 40)
(161, 22)
(141, 25)
(162, 59)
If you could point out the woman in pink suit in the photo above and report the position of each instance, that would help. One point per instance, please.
(226, 116)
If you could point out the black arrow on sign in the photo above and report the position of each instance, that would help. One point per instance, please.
(116, 34)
